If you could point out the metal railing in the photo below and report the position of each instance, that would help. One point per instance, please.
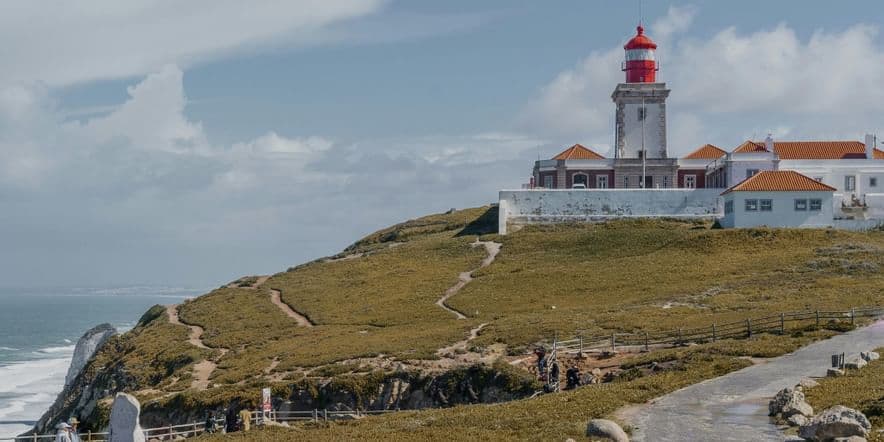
(737, 329)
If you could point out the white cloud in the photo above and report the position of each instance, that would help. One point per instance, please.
(77, 42)
(730, 86)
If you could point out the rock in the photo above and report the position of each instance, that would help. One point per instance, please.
(794, 439)
(869, 356)
(797, 420)
(606, 430)
(849, 439)
(806, 383)
(91, 341)
(124, 425)
(834, 372)
(789, 402)
(855, 363)
(836, 422)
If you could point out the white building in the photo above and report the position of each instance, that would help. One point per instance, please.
(778, 199)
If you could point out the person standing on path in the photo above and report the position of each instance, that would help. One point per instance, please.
(246, 417)
(73, 422)
(64, 433)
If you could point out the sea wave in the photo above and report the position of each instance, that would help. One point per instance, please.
(9, 349)
(28, 388)
(56, 350)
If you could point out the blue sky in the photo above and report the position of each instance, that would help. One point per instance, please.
(146, 142)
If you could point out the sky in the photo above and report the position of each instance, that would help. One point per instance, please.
(190, 143)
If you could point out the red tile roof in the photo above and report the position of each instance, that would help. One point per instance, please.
(779, 181)
(750, 146)
(707, 152)
(878, 154)
(819, 150)
(578, 152)
(812, 150)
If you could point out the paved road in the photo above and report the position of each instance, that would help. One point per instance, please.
(734, 407)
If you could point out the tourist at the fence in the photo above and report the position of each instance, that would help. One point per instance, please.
(572, 377)
(64, 433)
(210, 422)
(73, 422)
(230, 420)
(245, 416)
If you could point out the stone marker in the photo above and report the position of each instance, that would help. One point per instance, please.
(806, 383)
(789, 402)
(124, 426)
(605, 429)
(835, 422)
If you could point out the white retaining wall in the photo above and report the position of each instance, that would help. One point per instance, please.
(531, 206)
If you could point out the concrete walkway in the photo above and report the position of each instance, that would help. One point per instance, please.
(734, 407)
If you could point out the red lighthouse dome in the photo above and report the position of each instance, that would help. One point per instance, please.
(641, 63)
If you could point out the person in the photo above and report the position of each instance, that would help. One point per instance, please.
(573, 378)
(64, 432)
(73, 422)
(540, 352)
(246, 417)
(230, 420)
(210, 422)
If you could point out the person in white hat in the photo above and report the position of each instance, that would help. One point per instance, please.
(64, 433)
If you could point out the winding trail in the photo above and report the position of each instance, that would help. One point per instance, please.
(734, 407)
(202, 370)
(276, 298)
(493, 248)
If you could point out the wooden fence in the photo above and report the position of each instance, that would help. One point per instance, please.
(738, 329)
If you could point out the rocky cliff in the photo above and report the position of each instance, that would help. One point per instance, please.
(72, 401)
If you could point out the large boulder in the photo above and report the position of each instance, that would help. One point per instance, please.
(855, 363)
(806, 383)
(124, 419)
(606, 430)
(789, 402)
(836, 422)
(869, 356)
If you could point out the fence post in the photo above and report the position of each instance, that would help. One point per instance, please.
(613, 343)
(817, 319)
(325, 414)
(581, 346)
(35, 436)
(646, 341)
(713, 332)
(315, 415)
(680, 340)
(782, 323)
(193, 428)
(748, 328)
(89, 436)
(852, 314)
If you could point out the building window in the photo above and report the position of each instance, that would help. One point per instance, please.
(751, 205)
(642, 113)
(690, 181)
(800, 205)
(601, 181)
(580, 179)
(873, 182)
(648, 183)
(766, 205)
(816, 205)
(751, 172)
(850, 183)
(729, 207)
(548, 181)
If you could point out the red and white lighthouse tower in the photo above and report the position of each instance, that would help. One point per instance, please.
(641, 63)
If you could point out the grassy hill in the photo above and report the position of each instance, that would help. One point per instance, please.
(375, 302)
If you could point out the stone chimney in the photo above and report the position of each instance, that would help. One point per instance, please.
(871, 142)
(768, 143)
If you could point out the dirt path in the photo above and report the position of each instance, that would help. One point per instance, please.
(202, 370)
(734, 407)
(493, 248)
(275, 297)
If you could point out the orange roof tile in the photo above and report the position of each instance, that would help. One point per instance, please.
(578, 152)
(750, 146)
(819, 150)
(707, 152)
(779, 181)
(878, 154)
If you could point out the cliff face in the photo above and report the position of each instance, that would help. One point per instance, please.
(80, 395)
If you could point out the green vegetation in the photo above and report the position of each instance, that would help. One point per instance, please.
(378, 300)
(862, 390)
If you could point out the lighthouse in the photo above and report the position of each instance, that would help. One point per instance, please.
(640, 153)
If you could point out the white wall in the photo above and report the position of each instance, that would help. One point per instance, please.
(783, 213)
(550, 206)
(654, 132)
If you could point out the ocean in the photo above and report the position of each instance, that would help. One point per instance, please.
(38, 331)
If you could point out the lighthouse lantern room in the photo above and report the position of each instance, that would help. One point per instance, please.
(641, 63)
